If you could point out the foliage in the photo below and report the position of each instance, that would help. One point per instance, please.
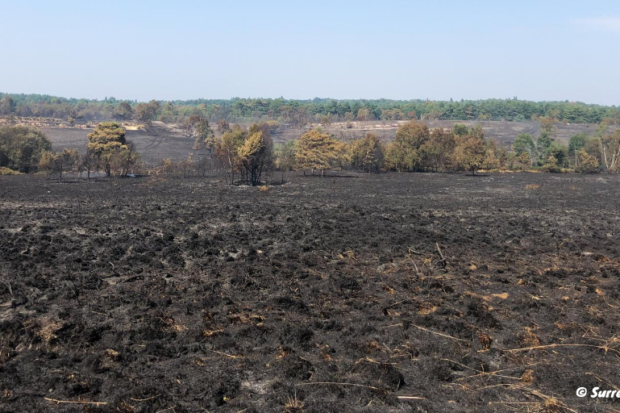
(7, 105)
(6, 171)
(437, 152)
(285, 157)
(547, 123)
(273, 125)
(587, 164)
(248, 152)
(610, 149)
(524, 143)
(146, 112)
(202, 133)
(543, 143)
(470, 152)
(105, 143)
(491, 157)
(317, 151)
(227, 149)
(123, 111)
(460, 130)
(559, 152)
(404, 153)
(252, 157)
(59, 162)
(298, 112)
(551, 165)
(522, 161)
(576, 142)
(223, 126)
(21, 147)
(367, 153)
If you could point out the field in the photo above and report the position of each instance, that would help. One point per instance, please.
(360, 293)
(166, 141)
(161, 143)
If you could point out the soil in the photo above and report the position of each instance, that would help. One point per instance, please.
(358, 293)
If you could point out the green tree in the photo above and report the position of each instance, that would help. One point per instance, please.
(524, 143)
(477, 132)
(460, 130)
(543, 143)
(285, 159)
(21, 147)
(575, 144)
(559, 152)
(470, 153)
(367, 153)
(404, 153)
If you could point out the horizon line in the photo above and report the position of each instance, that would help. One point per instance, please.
(515, 98)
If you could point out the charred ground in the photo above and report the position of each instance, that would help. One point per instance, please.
(166, 141)
(497, 293)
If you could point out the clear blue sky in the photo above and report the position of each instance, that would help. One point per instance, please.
(536, 50)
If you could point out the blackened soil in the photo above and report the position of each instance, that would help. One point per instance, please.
(390, 293)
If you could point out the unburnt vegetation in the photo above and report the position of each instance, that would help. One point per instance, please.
(299, 112)
(355, 292)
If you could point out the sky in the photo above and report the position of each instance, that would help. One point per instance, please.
(438, 50)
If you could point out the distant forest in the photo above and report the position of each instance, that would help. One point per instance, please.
(301, 112)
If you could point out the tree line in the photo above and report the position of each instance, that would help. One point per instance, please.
(249, 155)
(27, 150)
(246, 155)
(300, 112)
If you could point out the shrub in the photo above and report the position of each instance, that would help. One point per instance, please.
(7, 171)
(588, 164)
